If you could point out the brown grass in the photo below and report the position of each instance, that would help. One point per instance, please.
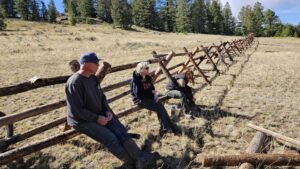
(266, 86)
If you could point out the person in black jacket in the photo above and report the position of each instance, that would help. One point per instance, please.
(179, 88)
(145, 95)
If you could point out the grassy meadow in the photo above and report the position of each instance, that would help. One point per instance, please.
(262, 87)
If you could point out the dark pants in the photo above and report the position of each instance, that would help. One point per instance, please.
(162, 114)
(186, 96)
(112, 135)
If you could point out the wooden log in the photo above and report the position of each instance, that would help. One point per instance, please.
(166, 62)
(103, 70)
(220, 55)
(32, 132)
(196, 66)
(209, 58)
(226, 51)
(9, 119)
(9, 127)
(188, 60)
(274, 134)
(26, 86)
(292, 159)
(17, 153)
(255, 146)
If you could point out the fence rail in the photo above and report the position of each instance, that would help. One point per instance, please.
(214, 55)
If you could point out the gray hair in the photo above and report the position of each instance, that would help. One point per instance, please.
(140, 66)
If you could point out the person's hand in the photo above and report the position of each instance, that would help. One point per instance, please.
(102, 120)
(194, 99)
(154, 91)
(109, 116)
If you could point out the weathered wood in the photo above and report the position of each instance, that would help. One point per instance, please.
(166, 62)
(292, 159)
(274, 134)
(9, 127)
(103, 70)
(9, 119)
(196, 66)
(226, 51)
(17, 153)
(209, 58)
(32, 132)
(220, 55)
(188, 60)
(255, 146)
(26, 86)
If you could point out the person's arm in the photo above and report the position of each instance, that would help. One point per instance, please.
(137, 88)
(105, 104)
(76, 105)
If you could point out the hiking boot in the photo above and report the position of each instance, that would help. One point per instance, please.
(148, 160)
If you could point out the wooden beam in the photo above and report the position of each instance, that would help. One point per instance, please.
(292, 159)
(166, 62)
(186, 63)
(196, 66)
(209, 58)
(220, 55)
(274, 134)
(255, 146)
(228, 54)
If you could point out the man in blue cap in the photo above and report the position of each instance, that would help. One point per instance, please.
(89, 113)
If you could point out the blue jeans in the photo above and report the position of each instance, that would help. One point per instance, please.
(112, 135)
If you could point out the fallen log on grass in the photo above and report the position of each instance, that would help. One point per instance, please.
(291, 159)
(276, 135)
(255, 146)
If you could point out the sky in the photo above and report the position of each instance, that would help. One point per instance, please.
(287, 10)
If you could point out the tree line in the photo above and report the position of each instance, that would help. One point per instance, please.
(197, 16)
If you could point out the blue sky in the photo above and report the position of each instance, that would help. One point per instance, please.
(287, 10)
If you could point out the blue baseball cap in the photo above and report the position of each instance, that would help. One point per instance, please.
(89, 57)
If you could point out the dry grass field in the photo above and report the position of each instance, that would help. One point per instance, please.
(262, 87)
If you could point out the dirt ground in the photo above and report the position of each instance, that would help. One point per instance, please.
(262, 87)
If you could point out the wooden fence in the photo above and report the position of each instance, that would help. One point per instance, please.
(214, 55)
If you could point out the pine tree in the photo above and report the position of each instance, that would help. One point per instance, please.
(43, 11)
(167, 16)
(183, 23)
(71, 12)
(258, 18)
(198, 16)
(144, 14)
(22, 7)
(2, 24)
(86, 8)
(216, 17)
(229, 20)
(52, 11)
(7, 7)
(103, 10)
(65, 4)
(246, 16)
(208, 17)
(121, 14)
(34, 8)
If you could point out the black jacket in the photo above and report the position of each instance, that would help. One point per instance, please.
(172, 86)
(141, 88)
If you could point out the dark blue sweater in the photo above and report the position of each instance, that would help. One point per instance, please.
(85, 99)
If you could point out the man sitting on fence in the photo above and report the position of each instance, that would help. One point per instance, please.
(179, 88)
(145, 95)
(89, 113)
